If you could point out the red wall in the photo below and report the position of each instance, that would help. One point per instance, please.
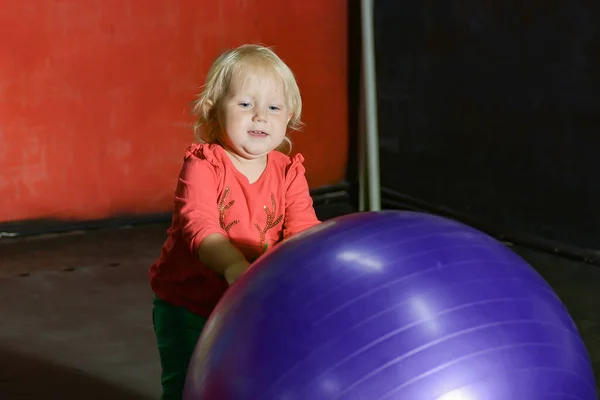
(95, 94)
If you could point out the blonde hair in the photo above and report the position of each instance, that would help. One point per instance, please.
(207, 127)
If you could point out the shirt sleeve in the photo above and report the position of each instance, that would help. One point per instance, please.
(299, 212)
(196, 201)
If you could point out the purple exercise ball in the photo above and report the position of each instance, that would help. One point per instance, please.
(390, 305)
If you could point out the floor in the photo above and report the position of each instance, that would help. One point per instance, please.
(80, 316)
(76, 313)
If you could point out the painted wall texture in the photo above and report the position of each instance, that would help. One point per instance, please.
(95, 95)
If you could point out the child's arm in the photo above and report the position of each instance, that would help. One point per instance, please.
(217, 253)
(198, 213)
(299, 212)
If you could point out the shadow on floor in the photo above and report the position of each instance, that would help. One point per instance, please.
(23, 377)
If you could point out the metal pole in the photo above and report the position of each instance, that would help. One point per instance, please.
(362, 149)
(370, 92)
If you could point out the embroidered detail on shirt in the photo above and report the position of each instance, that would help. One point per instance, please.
(272, 222)
(223, 210)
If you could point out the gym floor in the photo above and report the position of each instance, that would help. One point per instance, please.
(76, 312)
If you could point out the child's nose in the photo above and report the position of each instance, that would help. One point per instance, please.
(260, 115)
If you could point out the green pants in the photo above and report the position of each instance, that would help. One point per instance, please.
(177, 331)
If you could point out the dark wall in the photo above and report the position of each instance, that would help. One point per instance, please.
(491, 109)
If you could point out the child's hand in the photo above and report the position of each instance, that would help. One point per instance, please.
(233, 272)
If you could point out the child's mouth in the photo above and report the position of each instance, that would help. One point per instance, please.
(257, 133)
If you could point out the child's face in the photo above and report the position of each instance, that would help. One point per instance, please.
(255, 115)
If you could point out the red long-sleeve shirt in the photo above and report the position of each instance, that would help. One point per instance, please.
(212, 196)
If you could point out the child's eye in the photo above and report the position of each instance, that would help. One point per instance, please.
(274, 108)
(245, 105)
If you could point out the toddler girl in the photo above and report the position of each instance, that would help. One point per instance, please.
(237, 195)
